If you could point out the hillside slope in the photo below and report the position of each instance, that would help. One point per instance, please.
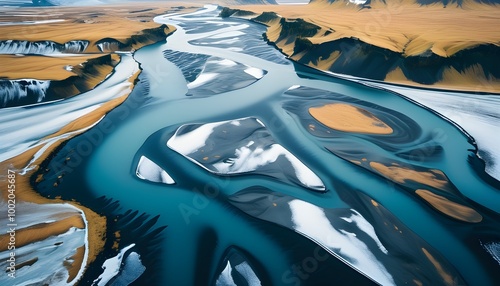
(400, 41)
(104, 2)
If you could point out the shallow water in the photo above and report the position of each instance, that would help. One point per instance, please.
(276, 226)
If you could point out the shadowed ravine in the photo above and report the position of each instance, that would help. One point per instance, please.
(265, 186)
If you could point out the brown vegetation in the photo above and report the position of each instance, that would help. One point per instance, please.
(401, 27)
(82, 23)
(40, 67)
(127, 24)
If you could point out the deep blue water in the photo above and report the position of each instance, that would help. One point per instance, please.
(364, 223)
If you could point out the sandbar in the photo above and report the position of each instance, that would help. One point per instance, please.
(349, 118)
(399, 174)
(450, 208)
(127, 24)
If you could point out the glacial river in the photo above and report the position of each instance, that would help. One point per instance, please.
(330, 207)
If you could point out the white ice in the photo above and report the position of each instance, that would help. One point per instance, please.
(312, 222)
(255, 72)
(202, 79)
(225, 278)
(22, 128)
(150, 171)
(247, 272)
(111, 267)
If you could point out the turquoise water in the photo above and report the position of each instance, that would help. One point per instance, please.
(201, 202)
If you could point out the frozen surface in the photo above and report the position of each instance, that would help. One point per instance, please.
(241, 146)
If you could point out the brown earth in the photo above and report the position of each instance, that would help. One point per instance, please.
(402, 27)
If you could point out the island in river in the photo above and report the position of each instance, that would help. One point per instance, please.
(164, 143)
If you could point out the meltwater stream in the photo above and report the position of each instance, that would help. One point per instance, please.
(258, 188)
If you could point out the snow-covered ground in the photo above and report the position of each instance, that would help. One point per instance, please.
(477, 114)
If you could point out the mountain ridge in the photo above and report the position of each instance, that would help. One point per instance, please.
(446, 58)
(379, 3)
(106, 2)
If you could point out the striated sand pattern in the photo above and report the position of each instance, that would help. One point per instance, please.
(74, 74)
(106, 29)
(96, 224)
(42, 231)
(68, 76)
(25, 192)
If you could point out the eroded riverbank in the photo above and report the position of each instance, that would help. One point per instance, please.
(364, 227)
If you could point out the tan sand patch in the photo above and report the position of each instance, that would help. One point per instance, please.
(450, 208)
(118, 22)
(403, 27)
(26, 263)
(88, 76)
(42, 231)
(39, 67)
(75, 267)
(96, 228)
(396, 173)
(447, 278)
(395, 25)
(81, 23)
(472, 79)
(349, 118)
